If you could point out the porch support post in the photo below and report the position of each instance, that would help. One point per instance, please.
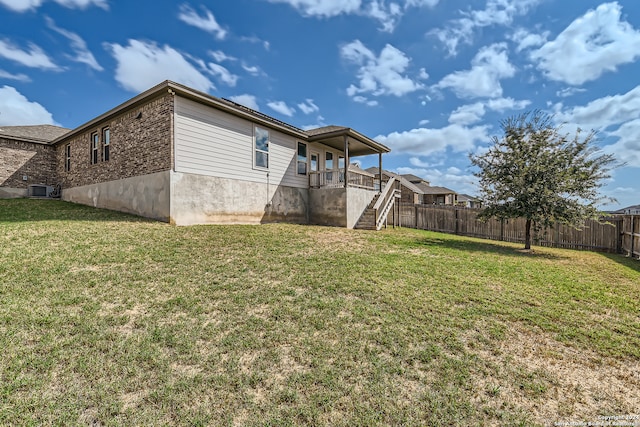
(346, 161)
(380, 170)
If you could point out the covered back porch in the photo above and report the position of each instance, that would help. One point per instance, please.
(341, 193)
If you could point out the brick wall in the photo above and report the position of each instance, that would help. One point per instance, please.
(138, 146)
(19, 159)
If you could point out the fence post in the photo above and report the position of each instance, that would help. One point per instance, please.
(557, 235)
(620, 235)
(457, 219)
(415, 217)
(633, 234)
(502, 229)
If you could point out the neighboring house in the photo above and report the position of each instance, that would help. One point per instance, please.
(629, 210)
(433, 195)
(27, 159)
(179, 155)
(410, 193)
(468, 201)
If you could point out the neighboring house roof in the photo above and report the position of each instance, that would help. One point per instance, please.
(34, 133)
(627, 209)
(361, 171)
(467, 198)
(403, 181)
(434, 190)
(415, 179)
(329, 135)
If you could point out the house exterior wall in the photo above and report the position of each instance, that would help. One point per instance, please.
(328, 206)
(215, 180)
(215, 143)
(138, 147)
(358, 199)
(19, 159)
(203, 199)
(145, 195)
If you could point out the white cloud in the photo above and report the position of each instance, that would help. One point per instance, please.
(308, 106)
(379, 75)
(570, 91)
(590, 46)
(17, 110)
(25, 5)
(526, 40)
(206, 23)
(220, 56)
(323, 8)
(246, 100)
(603, 112)
(467, 114)
(253, 70)
(496, 12)
(364, 100)
(488, 67)
(473, 113)
(142, 65)
(424, 122)
(425, 141)
(18, 77)
(627, 148)
(423, 74)
(224, 75)
(83, 55)
(34, 58)
(282, 108)
(387, 13)
(504, 104)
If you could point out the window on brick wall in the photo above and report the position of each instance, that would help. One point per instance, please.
(106, 143)
(67, 158)
(95, 145)
(261, 148)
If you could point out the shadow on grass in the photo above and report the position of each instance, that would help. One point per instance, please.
(487, 246)
(35, 210)
(631, 263)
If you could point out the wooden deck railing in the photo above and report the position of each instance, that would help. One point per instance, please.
(335, 179)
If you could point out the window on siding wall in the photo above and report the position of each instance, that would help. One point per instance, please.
(95, 144)
(302, 158)
(328, 161)
(261, 148)
(106, 143)
(67, 157)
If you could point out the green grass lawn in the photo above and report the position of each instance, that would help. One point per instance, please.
(109, 319)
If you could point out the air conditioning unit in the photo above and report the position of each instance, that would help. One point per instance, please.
(40, 190)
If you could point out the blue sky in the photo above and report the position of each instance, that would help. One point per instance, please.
(429, 78)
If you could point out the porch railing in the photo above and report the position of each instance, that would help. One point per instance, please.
(335, 179)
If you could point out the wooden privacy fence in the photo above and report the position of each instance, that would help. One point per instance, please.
(618, 234)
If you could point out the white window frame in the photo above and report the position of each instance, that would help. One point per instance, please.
(299, 162)
(257, 150)
(106, 144)
(95, 148)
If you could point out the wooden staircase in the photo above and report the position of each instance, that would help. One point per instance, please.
(375, 216)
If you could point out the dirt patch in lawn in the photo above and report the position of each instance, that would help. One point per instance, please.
(554, 382)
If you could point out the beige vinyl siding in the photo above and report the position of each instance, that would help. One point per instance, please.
(214, 143)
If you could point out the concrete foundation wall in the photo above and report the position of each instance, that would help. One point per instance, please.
(146, 195)
(201, 199)
(328, 206)
(358, 200)
(13, 193)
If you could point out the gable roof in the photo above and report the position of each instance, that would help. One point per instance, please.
(33, 133)
(329, 135)
(467, 198)
(413, 178)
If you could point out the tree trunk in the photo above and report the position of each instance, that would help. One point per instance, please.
(527, 234)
